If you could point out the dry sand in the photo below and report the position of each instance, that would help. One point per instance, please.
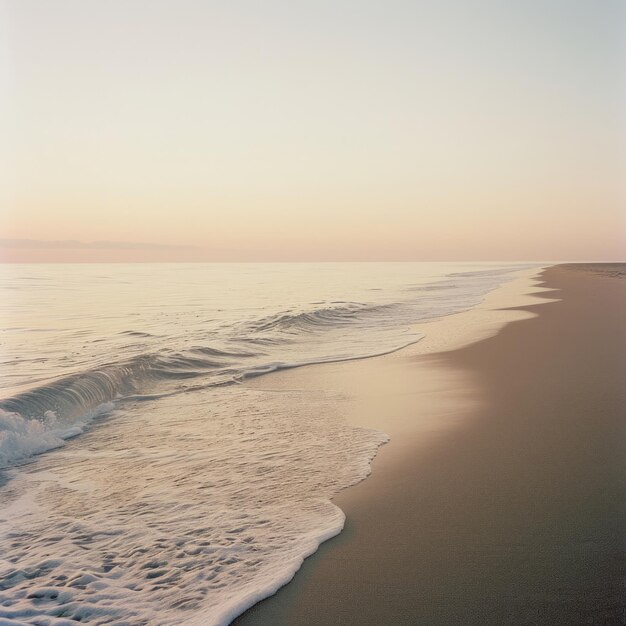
(500, 499)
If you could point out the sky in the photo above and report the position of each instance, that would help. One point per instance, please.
(152, 130)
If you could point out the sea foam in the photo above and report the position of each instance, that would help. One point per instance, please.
(166, 514)
(22, 437)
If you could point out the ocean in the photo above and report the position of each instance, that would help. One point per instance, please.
(141, 480)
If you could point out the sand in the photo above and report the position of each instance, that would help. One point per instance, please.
(500, 498)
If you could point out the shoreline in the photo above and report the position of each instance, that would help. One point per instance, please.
(416, 548)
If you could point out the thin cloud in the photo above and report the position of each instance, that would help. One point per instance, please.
(72, 244)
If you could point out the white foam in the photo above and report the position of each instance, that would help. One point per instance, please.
(188, 509)
(21, 437)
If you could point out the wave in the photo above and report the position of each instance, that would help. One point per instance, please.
(42, 418)
(74, 395)
(324, 316)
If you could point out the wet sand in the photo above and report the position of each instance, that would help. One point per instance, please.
(500, 499)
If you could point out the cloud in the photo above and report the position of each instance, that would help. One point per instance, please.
(72, 244)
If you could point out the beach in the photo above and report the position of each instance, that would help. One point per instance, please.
(500, 497)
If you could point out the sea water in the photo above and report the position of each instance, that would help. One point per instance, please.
(141, 480)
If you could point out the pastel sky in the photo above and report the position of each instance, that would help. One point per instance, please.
(312, 130)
